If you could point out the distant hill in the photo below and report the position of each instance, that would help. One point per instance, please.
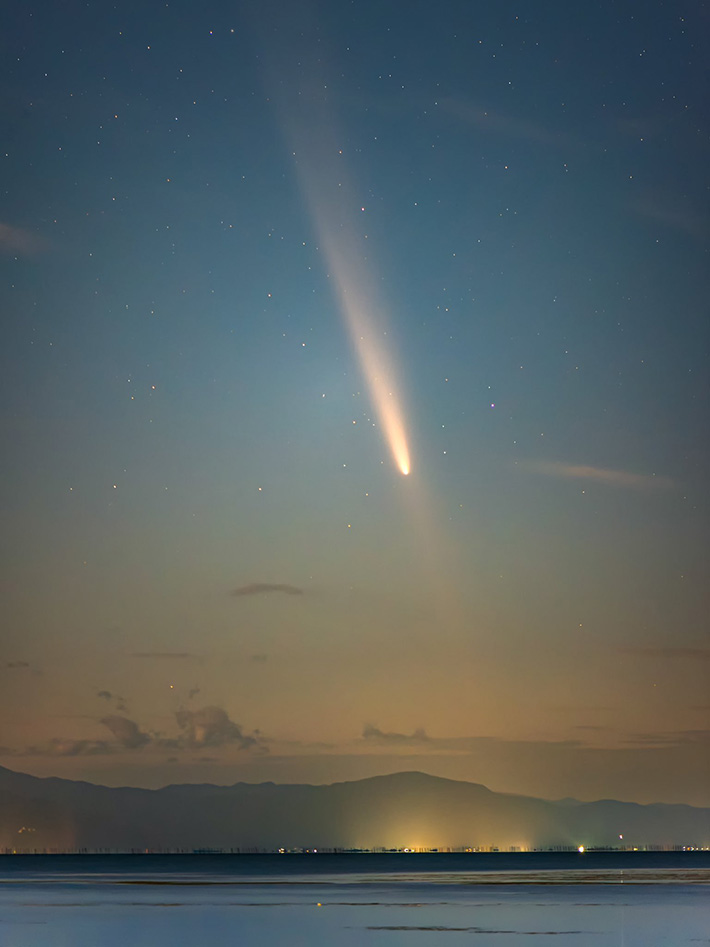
(402, 810)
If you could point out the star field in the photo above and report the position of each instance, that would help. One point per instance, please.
(257, 262)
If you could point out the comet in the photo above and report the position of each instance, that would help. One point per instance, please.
(362, 314)
(362, 310)
(339, 214)
(339, 218)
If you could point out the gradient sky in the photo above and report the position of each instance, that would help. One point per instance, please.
(248, 251)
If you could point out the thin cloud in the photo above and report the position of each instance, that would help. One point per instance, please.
(592, 728)
(671, 738)
(265, 588)
(489, 121)
(300, 745)
(181, 655)
(121, 705)
(126, 734)
(616, 478)
(21, 666)
(674, 212)
(62, 747)
(375, 735)
(695, 654)
(16, 240)
(580, 708)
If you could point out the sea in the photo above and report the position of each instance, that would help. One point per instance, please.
(590, 899)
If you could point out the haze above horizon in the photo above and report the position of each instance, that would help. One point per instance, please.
(355, 394)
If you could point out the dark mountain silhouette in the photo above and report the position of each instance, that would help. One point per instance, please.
(401, 810)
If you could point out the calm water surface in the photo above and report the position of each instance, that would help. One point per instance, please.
(634, 900)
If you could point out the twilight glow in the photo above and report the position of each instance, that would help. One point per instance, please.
(354, 364)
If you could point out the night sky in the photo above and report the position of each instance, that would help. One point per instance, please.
(355, 393)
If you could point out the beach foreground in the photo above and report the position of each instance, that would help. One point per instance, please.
(90, 902)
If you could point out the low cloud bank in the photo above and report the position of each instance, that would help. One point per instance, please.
(207, 727)
(375, 735)
(266, 588)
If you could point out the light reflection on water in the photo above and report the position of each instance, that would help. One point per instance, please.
(101, 910)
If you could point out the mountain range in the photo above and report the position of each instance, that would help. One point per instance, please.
(402, 810)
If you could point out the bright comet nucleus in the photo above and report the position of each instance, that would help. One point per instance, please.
(357, 306)
(330, 203)
(361, 311)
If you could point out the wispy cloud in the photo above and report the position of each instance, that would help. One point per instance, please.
(694, 654)
(63, 747)
(108, 696)
(264, 588)
(17, 240)
(670, 738)
(673, 211)
(592, 728)
(375, 735)
(182, 655)
(615, 478)
(126, 734)
(419, 742)
(491, 121)
(20, 666)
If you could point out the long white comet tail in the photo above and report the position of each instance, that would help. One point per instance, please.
(358, 298)
(379, 374)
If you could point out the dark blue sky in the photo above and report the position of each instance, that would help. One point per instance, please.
(204, 209)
